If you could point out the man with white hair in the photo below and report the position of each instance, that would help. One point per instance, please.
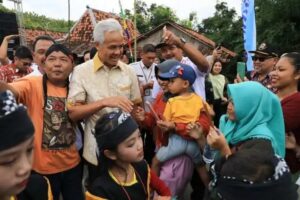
(100, 85)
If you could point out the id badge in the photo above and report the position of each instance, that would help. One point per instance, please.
(147, 92)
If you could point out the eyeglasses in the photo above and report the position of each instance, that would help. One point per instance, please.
(260, 59)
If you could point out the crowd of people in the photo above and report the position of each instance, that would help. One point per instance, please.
(171, 122)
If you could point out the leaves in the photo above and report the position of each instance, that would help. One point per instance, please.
(35, 21)
(149, 17)
(278, 23)
(224, 27)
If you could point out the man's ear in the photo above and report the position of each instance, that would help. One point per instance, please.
(110, 154)
(16, 59)
(297, 77)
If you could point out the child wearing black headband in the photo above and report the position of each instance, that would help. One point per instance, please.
(124, 172)
(16, 154)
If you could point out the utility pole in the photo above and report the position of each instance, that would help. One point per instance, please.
(19, 12)
(135, 34)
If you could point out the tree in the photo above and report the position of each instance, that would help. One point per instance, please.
(160, 14)
(224, 27)
(149, 17)
(191, 22)
(36, 21)
(278, 23)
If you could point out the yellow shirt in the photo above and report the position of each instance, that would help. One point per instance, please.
(184, 109)
(92, 81)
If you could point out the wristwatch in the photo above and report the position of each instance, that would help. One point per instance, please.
(183, 41)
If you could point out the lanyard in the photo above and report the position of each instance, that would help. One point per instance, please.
(149, 75)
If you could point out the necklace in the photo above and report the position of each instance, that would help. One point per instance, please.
(124, 184)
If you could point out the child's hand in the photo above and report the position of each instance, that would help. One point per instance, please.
(139, 114)
(194, 130)
(217, 140)
(165, 125)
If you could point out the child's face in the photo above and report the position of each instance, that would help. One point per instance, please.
(15, 168)
(177, 85)
(131, 150)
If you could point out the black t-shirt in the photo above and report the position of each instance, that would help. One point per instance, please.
(106, 187)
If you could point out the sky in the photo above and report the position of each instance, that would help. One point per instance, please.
(58, 9)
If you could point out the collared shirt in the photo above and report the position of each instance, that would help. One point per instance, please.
(36, 71)
(92, 81)
(9, 73)
(265, 82)
(145, 75)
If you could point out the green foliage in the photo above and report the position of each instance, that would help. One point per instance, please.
(224, 27)
(35, 21)
(278, 23)
(191, 22)
(160, 14)
(150, 17)
(4, 9)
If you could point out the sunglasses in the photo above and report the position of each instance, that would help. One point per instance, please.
(260, 59)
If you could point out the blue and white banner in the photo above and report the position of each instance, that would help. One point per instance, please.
(249, 30)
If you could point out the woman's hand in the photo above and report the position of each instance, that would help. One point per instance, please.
(194, 130)
(162, 198)
(290, 141)
(217, 140)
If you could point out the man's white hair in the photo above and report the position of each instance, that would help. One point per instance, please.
(107, 25)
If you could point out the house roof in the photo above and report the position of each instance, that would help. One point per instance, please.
(197, 36)
(81, 34)
(31, 34)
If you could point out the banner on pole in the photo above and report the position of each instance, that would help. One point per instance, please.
(249, 29)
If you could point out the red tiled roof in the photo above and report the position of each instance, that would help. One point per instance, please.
(192, 33)
(31, 34)
(82, 31)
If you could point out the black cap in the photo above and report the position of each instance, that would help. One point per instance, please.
(265, 50)
(160, 45)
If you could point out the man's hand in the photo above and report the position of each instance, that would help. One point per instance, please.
(217, 53)
(238, 79)
(170, 38)
(139, 114)
(148, 85)
(10, 37)
(118, 102)
(165, 125)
